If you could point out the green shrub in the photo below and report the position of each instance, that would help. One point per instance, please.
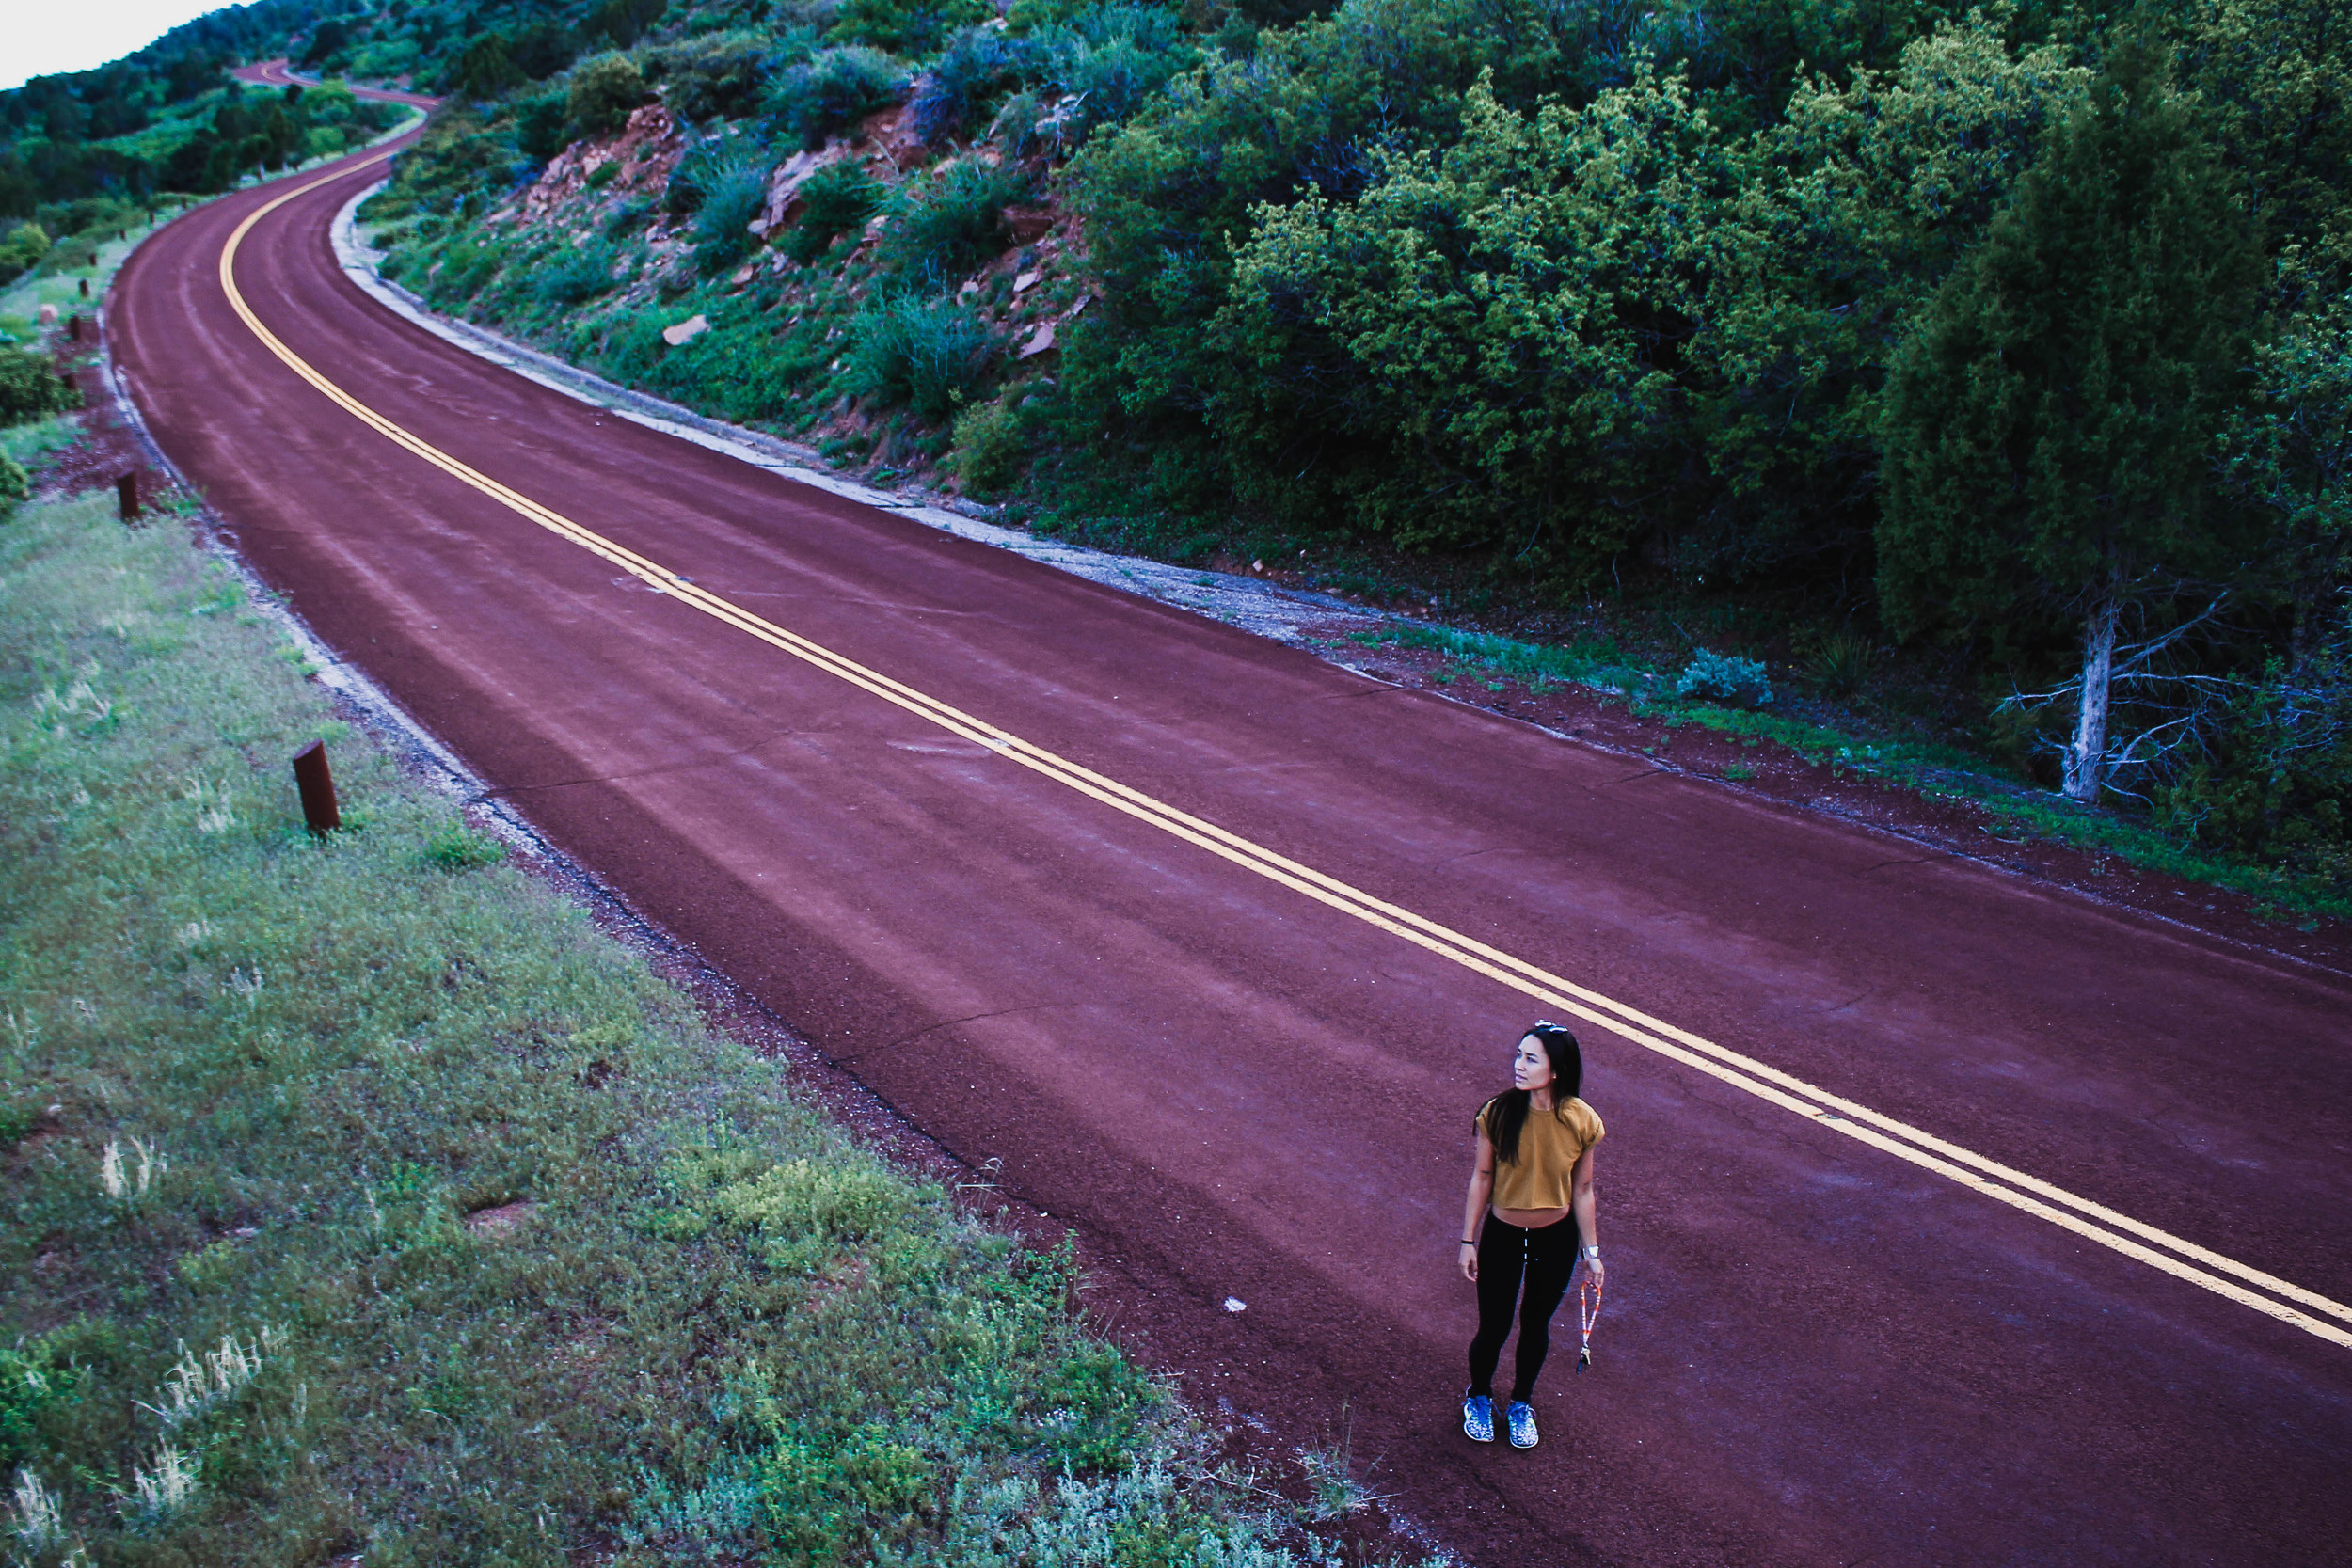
(543, 125)
(485, 70)
(603, 92)
(575, 277)
(945, 222)
(1717, 677)
(833, 1498)
(713, 77)
(628, 218)
(840, 196)
(29, 389)
(905, 27)
(931, 354)
(806, 1211)
(73, 252)
(460, 848)
(1113, 60)
(35, 1379)
(734, 192)
(832, 90)
(466, 269)
(977, 68)
(15, 484)
(22, 252)
(2274, 780)
(990, 450)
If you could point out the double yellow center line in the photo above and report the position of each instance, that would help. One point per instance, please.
(2292, 1304)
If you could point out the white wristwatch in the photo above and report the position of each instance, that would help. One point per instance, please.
(1590, 1253)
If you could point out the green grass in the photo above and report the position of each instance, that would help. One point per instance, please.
(1937, 771)
(32, 442)
(257, 1092)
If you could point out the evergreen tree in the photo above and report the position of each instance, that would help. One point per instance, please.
(2050, 424)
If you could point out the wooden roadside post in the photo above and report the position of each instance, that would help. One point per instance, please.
(317, 784)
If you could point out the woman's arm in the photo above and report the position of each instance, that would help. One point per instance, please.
(1482, 1187)
(1582, 1204)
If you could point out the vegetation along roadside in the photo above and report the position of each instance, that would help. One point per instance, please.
(362, 1197)
(1625, 325)
(1646, 327)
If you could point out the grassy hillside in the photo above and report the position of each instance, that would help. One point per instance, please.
(362, 1198)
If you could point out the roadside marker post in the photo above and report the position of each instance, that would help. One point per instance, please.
(317, 784)
(127, 496)
(73, 326)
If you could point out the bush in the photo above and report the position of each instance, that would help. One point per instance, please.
(486, 68)
(575, 277)
(709, 78)
(736, 193)
(705, 167)
(73, 252)
(978, 65)
(839, 197)
(1111, 58)
(22, 252)
(990, 451)
(1840, 662)
(2274, 780)
(905, 27)
(28, 390)
(831, 90)
(931, 355)
(15, 484)
(627, 219)
(543, 126)
(1717, 677)
(949, 220)
(603, 92)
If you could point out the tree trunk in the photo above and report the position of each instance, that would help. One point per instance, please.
(2085, 757)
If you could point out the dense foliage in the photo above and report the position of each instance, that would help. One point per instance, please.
(110, 132)
(1683, 302)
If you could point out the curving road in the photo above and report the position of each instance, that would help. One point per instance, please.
(1829, 1339)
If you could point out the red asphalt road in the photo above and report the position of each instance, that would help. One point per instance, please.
(280, 74)
(1813, 1353)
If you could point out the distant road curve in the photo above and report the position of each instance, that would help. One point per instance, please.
(1952, 1218)
(280, 74)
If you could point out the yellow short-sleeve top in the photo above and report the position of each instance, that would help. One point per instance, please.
(1550, 1144)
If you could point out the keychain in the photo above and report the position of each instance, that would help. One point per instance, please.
(1588, 1313)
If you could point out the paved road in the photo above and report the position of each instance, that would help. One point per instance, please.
(1816, 1350)
(279, 72)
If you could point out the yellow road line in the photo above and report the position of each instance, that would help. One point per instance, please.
(2183, 1259)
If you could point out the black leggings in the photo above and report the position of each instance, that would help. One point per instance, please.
(1545, 1258)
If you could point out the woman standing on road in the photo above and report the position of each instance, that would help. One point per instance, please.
(1535, 1164)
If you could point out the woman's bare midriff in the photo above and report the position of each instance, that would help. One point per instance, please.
(1530, 1219)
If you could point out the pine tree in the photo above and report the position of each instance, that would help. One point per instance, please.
(2050, 423)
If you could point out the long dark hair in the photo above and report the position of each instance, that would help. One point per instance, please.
(1509, 1108)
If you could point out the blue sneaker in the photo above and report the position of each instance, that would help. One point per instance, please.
(1478, 1417)
(1522, 1419)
